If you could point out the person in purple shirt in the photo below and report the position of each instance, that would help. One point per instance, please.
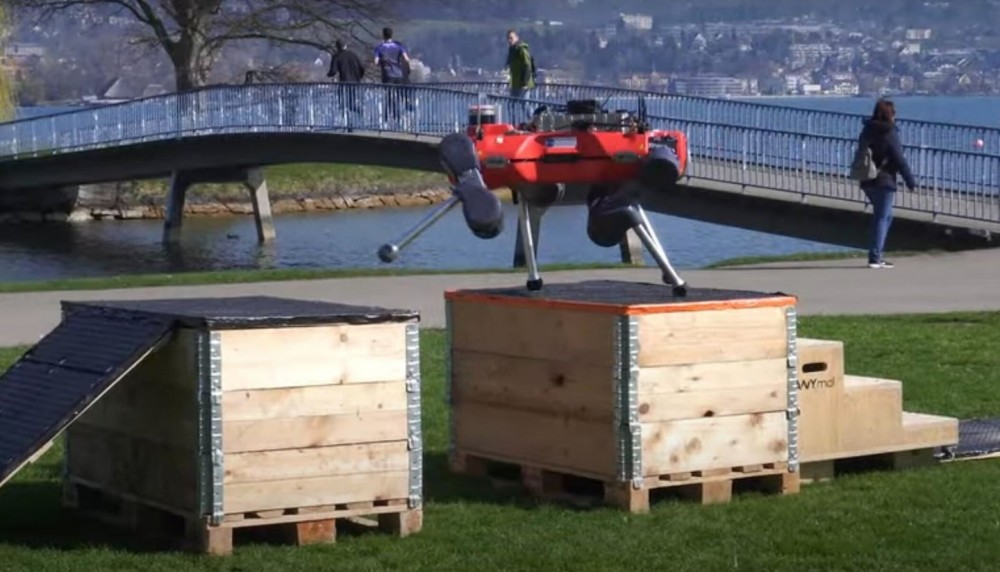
(393, 60)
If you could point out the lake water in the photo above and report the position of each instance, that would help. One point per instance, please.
(349, 239)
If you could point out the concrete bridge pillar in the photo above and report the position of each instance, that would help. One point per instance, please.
(253, 179)
(176, 196)
(631, 249)
(257, 185)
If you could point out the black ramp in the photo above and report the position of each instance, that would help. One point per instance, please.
(977, 438)
(55, 381)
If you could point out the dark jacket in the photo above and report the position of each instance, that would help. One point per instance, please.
(883, 138)
(348, 66)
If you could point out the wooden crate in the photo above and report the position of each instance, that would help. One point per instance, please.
(253, 415)
(621, 383)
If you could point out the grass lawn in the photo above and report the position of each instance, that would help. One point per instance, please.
(937, 518)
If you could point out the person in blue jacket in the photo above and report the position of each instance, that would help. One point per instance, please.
(882, 136)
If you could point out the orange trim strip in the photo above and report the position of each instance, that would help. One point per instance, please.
(776, 301)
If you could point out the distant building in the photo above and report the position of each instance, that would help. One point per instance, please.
(640, 22)
(711, 85)
(916, 35)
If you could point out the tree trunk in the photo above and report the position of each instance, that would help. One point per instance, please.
(190, 65)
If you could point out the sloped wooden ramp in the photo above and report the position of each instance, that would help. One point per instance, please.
(58, 379)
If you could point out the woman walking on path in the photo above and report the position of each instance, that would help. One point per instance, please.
(882, 137)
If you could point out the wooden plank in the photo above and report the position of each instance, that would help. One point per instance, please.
(317, 462)
(714, 442)
(821, 388)
(871, 413)
(541, 439)
(292, 493)
(156, 426)
(157, 401)
(270, 358)
(921, 430)
(251, 405)
(712, 336)
(524, 332)
(553, 386)
(712, 389)
(317, 431)
(133, 466)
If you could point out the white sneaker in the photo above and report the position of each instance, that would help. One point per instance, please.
(882, 264)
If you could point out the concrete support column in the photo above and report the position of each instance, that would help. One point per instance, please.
(535, 223)
(176, 195)
(253, 179)
(257, 185)
(631, 249)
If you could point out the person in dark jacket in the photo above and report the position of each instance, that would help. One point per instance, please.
(882, 136)
(347, 66)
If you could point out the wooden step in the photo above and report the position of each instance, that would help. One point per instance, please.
(871, 413)
(820, 391)
(921, 430)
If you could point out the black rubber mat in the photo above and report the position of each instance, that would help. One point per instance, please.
(244, 311)
(623, 293)
(977, 437)
(54, 382)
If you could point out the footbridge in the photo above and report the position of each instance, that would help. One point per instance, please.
(753, 165)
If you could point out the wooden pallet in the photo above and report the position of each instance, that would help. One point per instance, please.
(298, 526)
(819, 471)
(706, 487)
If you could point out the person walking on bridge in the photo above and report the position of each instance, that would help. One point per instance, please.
(882, 137)
(347, 66)
(393, 60)
(521, 64)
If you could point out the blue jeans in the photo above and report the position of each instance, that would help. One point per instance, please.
(515, 109)
(881, 200)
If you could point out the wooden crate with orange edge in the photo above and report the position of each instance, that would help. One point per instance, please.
(624, 388)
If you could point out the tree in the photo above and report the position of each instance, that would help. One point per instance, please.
(193, 32)
(6, 76)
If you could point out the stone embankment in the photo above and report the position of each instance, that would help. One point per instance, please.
(125, 207)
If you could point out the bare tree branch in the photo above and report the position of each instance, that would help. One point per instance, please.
(193, 32)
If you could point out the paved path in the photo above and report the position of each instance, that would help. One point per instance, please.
(934, 283)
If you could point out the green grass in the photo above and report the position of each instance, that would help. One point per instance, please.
(247, 276)
(937, 518)
(311, 180)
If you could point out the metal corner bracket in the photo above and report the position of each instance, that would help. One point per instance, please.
(414, 439)
(210, 455)
(628, 442)
(791, 325)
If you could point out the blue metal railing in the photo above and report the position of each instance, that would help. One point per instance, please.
(739, 143)
(754, 114)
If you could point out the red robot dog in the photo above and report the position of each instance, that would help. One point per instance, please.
(583, 154)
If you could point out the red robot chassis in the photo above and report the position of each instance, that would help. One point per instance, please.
(585, 154)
